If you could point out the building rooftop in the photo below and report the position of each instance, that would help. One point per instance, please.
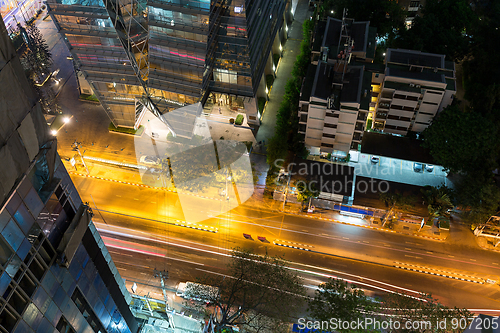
(307, 85)
(359, 33)
(351, 90)
(417, 58)
(396, 147)
(319, 32)
(403, 71)
(329, 177)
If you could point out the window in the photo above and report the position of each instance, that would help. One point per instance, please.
(64, 327)
(331, 136)
(327, 145)
(330, 125)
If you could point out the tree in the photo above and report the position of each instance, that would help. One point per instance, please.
(337, 299)
(442, 29)
(478, 196)
(387, 16)
(423, 309)
(306, 191)
(438, 202)
(257, 291)
(37, 59)
(462, 141)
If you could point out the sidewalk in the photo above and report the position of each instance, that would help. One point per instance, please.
(399, 227)
(284, 72)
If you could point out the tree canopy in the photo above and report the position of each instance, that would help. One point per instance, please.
(258, 292)
(462, 141)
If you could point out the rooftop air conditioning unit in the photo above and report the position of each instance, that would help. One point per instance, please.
(412, 85)
(417, 86)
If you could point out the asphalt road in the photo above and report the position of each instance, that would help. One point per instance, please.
(133, 212)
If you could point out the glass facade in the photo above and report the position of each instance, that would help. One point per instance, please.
(48, 283)
(172, 52)
(38, 294)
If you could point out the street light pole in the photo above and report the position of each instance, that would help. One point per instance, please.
(77, 147)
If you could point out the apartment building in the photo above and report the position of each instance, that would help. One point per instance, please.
(159, 55)
(336, 93)
(410, 92)
(55, 272)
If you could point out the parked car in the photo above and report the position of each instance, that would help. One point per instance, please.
(418, 167)
(375, 159)
(150, 160)
(429, 168)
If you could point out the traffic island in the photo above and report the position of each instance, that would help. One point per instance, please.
(126, 130)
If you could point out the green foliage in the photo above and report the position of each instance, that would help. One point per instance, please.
(92, 98)
(269, 80)
(438, 201)
(369, 123)
(126, 130)
(260, 290)
(387, 16)
(239, 119)
(276, 59)
(442, 29)
(231, 120)
(306, 191)
(37, 59)
(196, 140)
(423, 309)
(462, 141)
(397, 200)
(262, 103)
(478, 196)
(337, 299)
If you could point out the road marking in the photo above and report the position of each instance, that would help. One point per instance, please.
(406, 248)
(451, 256)
(345, 237)
(494, 263)
(136, 199)
(406, 255)
(366, 242)
(473, 260)
(144, 273)
(430, 252)
(153, 201)
(119, 196)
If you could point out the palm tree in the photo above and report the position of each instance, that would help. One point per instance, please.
(438, 202)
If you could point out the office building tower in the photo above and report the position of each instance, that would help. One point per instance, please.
(55, 272)
(159, 55)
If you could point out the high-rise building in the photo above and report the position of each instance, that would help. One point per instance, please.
(413, 88)
(158, 55)
(335, 97)
(55, 272)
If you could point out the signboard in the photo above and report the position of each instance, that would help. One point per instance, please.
(134, 287)
(422, 223)
(72, 161)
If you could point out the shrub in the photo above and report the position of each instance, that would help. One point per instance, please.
(269, 81)
(231, 121)
(239, 119)
(276, 59)
(261, 104)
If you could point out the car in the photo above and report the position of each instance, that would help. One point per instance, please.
(150, 160)
(429, 168)
(375, 159)
(418, 167)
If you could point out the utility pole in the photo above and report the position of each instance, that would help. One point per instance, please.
(163, 275)
(76, 145)
(286, 191)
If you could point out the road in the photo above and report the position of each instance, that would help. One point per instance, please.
(137, 211)
(336, 250)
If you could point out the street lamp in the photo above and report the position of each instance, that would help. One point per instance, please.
(66, 120)
(53, 132)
